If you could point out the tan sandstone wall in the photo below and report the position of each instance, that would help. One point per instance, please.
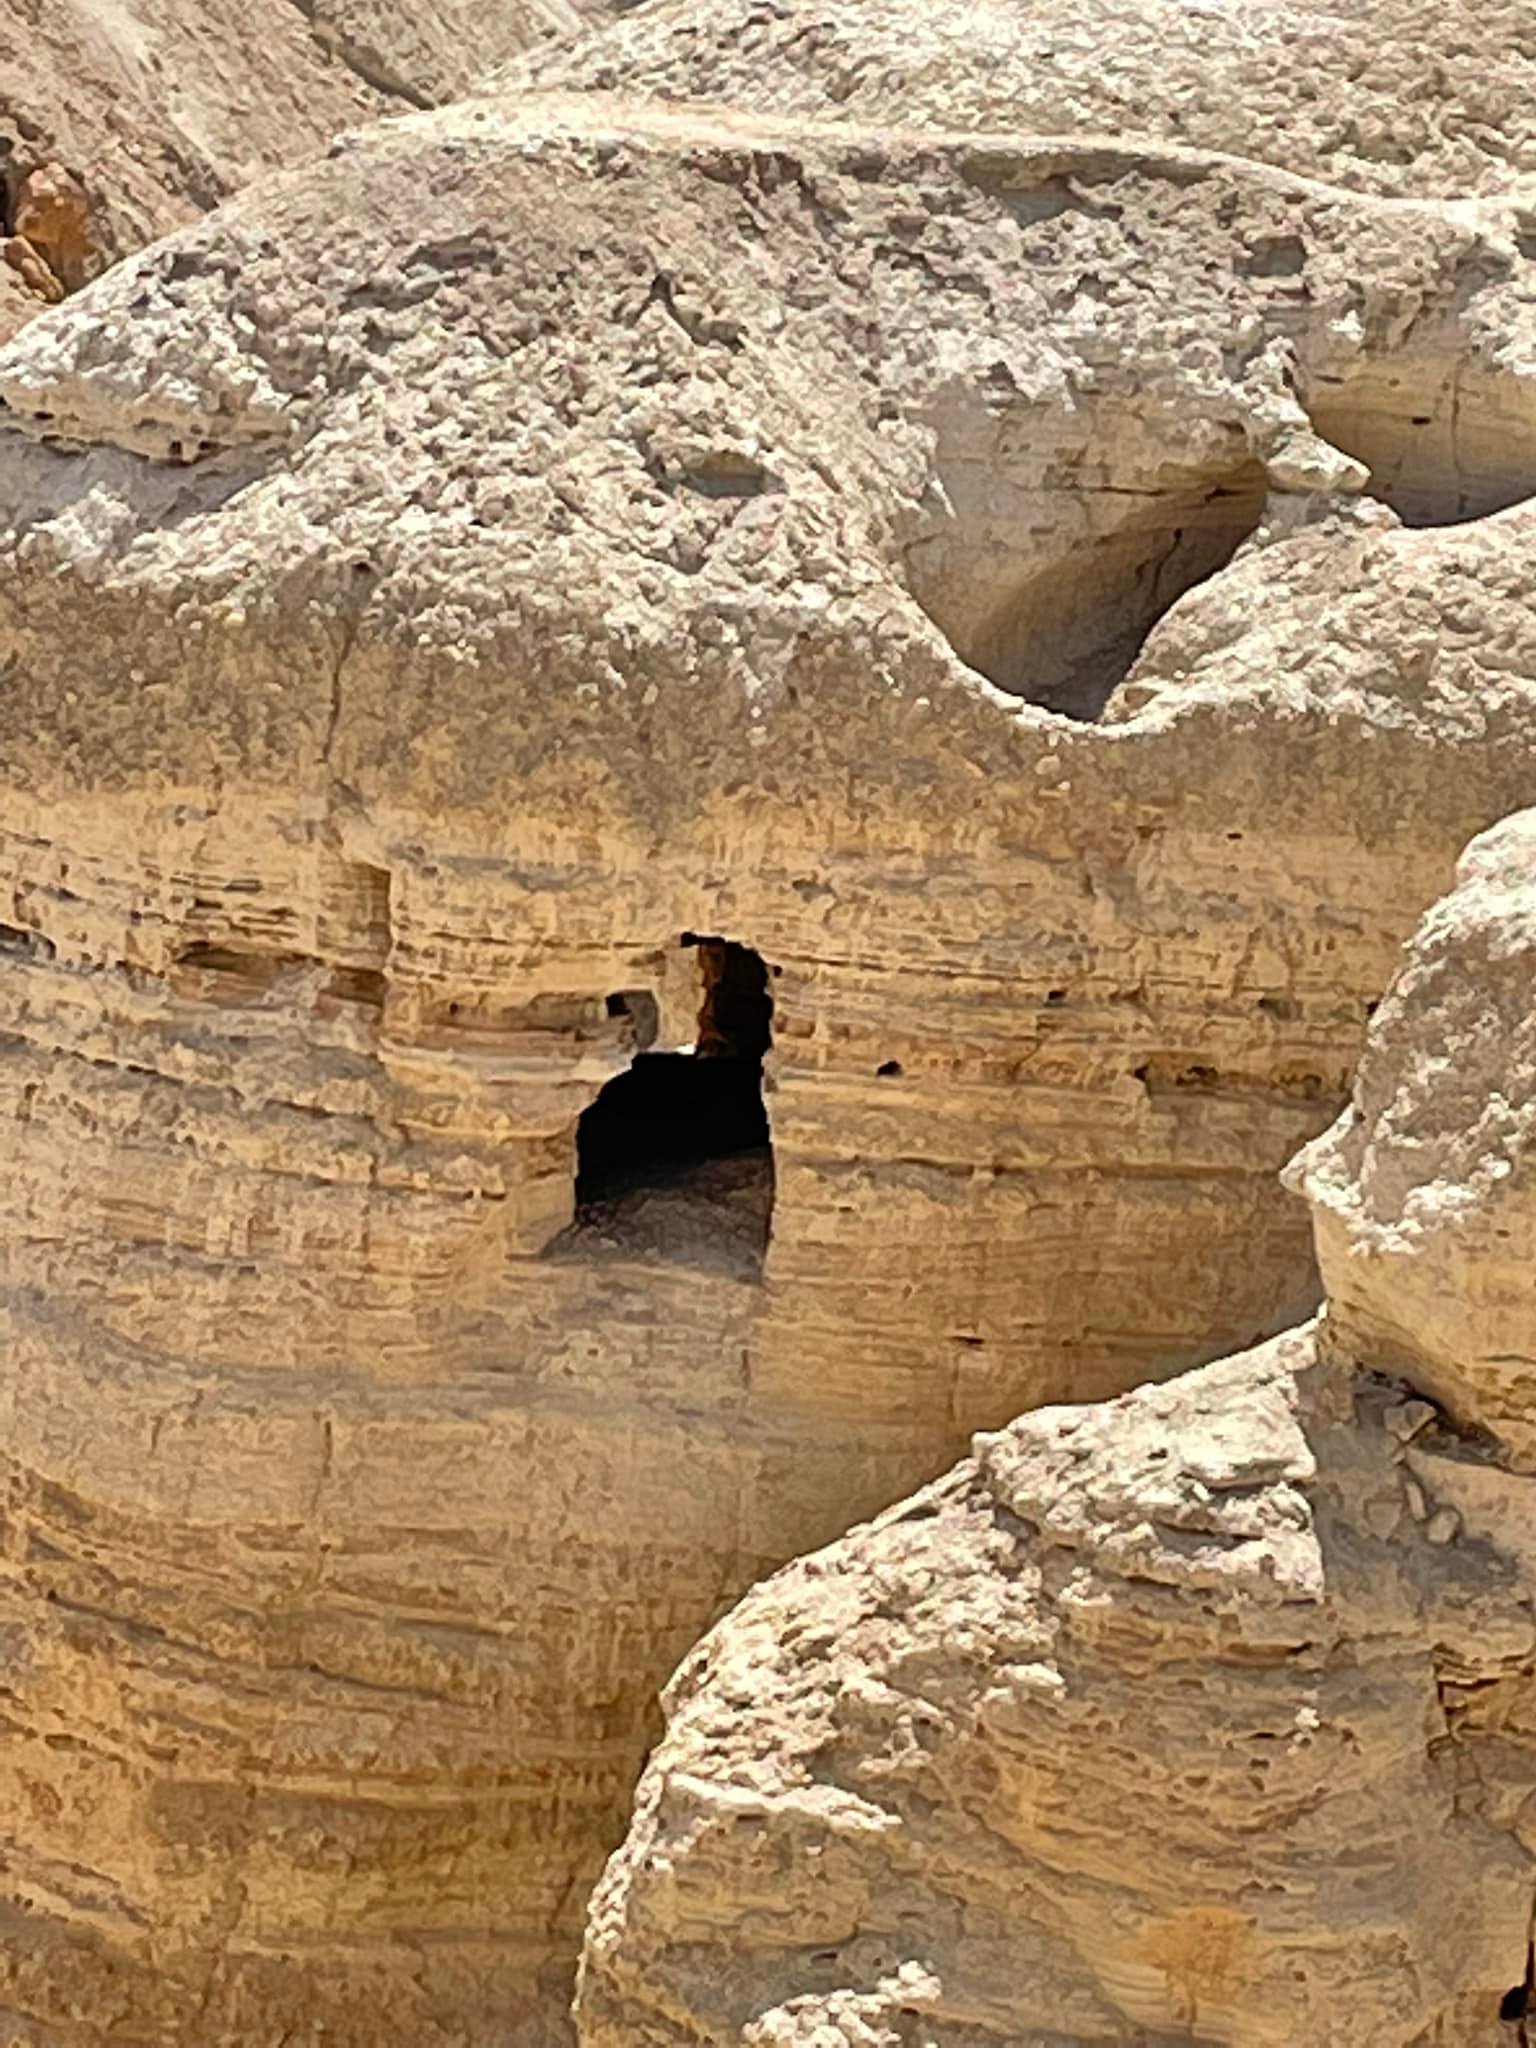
(640, 522)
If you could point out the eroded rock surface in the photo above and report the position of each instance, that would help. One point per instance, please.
(643, 529)
(1389, 96)
(1205, 1714)
(119, 122)
(1423, 1193)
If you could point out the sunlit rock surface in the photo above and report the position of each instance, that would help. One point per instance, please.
(450, 598)
(1204, 1713)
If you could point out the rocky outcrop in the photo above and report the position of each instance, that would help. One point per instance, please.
(1380, 96)
(644, 532)
(119, 123)
(1423, 1192)
(51, 245)
(1205, 1714)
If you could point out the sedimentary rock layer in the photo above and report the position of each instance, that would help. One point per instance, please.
(640, 525)
(1204, 1714)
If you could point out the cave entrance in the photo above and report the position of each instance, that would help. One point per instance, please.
(673, 1159)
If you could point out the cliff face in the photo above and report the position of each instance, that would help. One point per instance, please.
(658, 564)
(120, 122)
(1203, 1714)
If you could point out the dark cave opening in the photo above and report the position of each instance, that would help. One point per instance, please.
(674, 1156)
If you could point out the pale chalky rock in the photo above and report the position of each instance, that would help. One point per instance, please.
(431, 591)
(1389, 96)
(1204, 1714)
(1425, 1190)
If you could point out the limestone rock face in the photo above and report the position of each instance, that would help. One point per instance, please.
(1424, 1191)
(119, 122)
(1389, 96)
(445, 598)
(1205, 1714)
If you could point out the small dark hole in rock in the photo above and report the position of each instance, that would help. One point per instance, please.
(1277, 256)
(33, 945)
(1055, 995)
(363, 985)
(1516, 2002)
(888, 1068)
(650, 1151)
(640, 1007)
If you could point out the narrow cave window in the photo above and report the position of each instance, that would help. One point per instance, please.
(673, 1159)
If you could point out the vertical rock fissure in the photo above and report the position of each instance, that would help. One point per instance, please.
(1515, 2006)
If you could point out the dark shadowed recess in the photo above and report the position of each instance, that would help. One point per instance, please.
(1063, 634)
(673, 1159)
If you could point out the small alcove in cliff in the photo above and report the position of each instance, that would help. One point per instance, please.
(1060, 625)
(673, 1159)
(1444, 437)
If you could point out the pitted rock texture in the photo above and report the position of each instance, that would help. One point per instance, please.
(1129, 1728)
(1207, 1714)
(644, 523)
(1388, 96)
(146, 113)
(1423, 1193)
